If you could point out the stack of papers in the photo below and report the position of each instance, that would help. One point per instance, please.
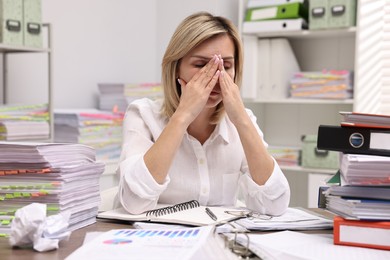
(333, 84)
(24, 122)
(296, 245)
(65, 177)
(362, 169)
(119, 96)
(292, 219)
(285, 156)
(101, 130)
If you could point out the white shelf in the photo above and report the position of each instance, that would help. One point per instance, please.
(301, 101)
(306, 34)
(308, 170)
(4, 48)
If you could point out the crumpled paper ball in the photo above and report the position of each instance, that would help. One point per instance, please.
(31, 227)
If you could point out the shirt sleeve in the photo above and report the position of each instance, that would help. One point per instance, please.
(273, 197)
(138, 191)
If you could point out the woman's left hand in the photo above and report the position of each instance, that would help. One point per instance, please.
(231, 97)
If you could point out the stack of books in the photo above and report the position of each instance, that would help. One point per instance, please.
(117, 97)
(65, 177)
(286, 156)
(327, 84)
(360, 194)
(275, 16)
(24, 122)
(101, 130)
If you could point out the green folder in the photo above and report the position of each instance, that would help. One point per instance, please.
(284, 11)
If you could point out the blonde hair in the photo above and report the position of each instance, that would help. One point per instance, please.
(191, 32)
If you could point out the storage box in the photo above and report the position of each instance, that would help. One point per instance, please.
(342, 13)
(314, 158)
(32, 10)
(11, 17)
(318, 14)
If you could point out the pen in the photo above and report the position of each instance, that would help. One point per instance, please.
(211, 214)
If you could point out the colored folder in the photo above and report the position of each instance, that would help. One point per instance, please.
(371, 234)
(283, 11)
(354, 140)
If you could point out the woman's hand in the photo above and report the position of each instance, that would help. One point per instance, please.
(231, 97)
(196, 92)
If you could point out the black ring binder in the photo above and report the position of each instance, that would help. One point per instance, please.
(171, 209)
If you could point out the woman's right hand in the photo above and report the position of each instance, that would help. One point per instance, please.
(196, 92)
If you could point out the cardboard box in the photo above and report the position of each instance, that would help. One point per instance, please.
(318, 14)
(314, 158)
(342, 13)
(11, 17)
(32, 11)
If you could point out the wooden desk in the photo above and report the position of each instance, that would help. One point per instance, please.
(77, 238)
(66, 247)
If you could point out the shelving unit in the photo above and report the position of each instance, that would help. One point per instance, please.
(285, 121)
(7, 50)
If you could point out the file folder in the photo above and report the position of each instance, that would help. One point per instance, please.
(354, 140)
(264, 3)
(279, 25)
(284, 11)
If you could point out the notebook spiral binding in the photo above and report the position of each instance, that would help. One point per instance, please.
(171, 209)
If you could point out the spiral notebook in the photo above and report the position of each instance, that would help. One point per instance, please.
(189, 213)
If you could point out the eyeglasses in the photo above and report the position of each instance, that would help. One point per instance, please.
(250, 214)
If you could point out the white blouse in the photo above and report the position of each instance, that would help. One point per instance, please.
(213, 173)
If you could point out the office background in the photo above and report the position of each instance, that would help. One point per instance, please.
(123, 41)
(96, 41)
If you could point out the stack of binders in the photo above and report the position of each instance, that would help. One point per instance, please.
(65, 177)
(275, 16)
(361, 200)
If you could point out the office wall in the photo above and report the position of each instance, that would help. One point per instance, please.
(101, 41)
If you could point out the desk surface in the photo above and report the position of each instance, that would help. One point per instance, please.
(76, 240)
(66, 247)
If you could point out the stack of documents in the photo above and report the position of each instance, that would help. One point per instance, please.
(63, 176)
(119, 96)
(297, 245)
(101, 130)
(333, 84)
(292, 219)
(275, 16)
(285, 156)
(24, 122)
(360, 191)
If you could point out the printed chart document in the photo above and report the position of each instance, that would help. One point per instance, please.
(188, 243)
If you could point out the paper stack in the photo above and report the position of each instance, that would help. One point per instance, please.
(119, 96)
(332, 84)
(101, 130)
(275, 16)
(63, 176)
(362, 184)
(24, 122)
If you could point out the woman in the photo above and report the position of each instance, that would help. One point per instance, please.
(199, 142)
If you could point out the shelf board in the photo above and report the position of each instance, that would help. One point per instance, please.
(345, 32)
(307, 170)
(301, 101)
(4, 48)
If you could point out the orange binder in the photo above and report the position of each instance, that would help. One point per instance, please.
(371, 234)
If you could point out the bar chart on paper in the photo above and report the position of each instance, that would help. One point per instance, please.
(166, 237)
(184, 243)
